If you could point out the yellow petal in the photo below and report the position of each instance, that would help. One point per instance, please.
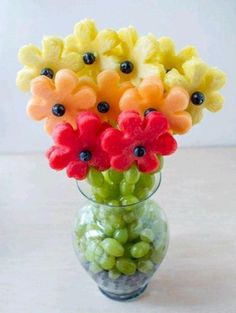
(24, 78)
(52, 48)
(187, 53)
(174, 78)
(107, 40)
(71, 44)
(146, 49)
(30, 55)
(129, 36)
(85, 31)
(196, 112)
(214, 102)
(195, 71)
(167, 46)
(72, 61)
(215, 79)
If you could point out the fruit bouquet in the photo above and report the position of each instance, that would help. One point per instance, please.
(113, 103)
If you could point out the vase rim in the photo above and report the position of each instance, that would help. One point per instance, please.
(158, 178)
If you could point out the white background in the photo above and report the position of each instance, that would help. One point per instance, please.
(210, 25)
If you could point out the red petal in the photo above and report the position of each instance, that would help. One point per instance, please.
(100, 160)
(88, 123)
(131, 123)
(122, 162)
(165, 144)
(155, 125)
(64, 134)
(59, 157)
(77, 170)
(148, 163)
(112, 141)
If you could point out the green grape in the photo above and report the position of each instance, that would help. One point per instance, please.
(108, 229)
(145, 266)
(107, 262)
(98, 252)
(114, 203)
(147, 235)
(134, 230)
(141, 192)
(126, 188)
(106, 177)
(121, 235)
(132, 175)
(105, 191)
(80, 231)
(129, 200)
(158, 255)
(114, 274)
(140, 249)
(96, 196)
(126, 266)
(112, 247)
(146, 180)
(127, 248)
(115, 176)
(94, 267)
(129, 217)
(116, 221)
(95, 178)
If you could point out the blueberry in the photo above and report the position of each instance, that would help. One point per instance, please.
(47, 72)
(85, 155)
(103, 107)
(146, 112)
(89, 58)
(126, 67)
(197, 98)
(58, 109)
(139, 151)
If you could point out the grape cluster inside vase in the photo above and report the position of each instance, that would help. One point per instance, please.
(121, 243)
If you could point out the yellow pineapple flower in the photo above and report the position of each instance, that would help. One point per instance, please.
(46, 62)
(170, 59)
(137, 56)
(94, 48)
(202, 83)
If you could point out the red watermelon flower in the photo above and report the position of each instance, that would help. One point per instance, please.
(138, 140)
(77, 150)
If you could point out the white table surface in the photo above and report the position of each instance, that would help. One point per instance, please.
(39, 272)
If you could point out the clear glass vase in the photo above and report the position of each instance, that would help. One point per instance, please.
(122, 246)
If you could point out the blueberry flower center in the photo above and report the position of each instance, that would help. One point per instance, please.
(58, 109)
(126, 67)
(139, 151)
(103, 107)
(85, 155)
(47, 72)
(89, 58)
(197, 98)
(149, 110)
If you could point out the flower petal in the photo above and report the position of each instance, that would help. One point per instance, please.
(42, 87)
(131, 100)
(77, 170)
(72, 61)
(85, 98)
(24, 78)
(52, 48)
(36, 109)
(215, 79)
(30, 55)
(100, 160)
(196, 113)
(64, 134)
(85, 31)
(66, 81)
(122, 162)
(59, 157)
(112, 141)
(147, 49)
(107, 40)
(128, 36)
(165, 144)
(214, 102)
(155, 125)
(176, 100)
(148, 163)
(195, 71)
(174, 78)
(88, 122)
(130, 122)
(151, 89)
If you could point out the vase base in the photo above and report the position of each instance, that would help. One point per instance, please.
(124, 297)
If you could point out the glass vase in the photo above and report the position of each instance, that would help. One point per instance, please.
(121, 246)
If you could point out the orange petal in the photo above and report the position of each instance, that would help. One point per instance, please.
(36, 109)
(66, 81)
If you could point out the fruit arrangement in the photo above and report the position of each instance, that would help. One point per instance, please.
(113, 103)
